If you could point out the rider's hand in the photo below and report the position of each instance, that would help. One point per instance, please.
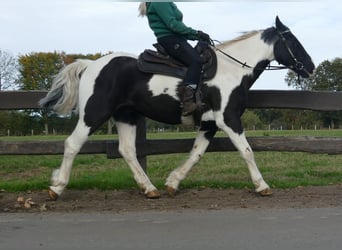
(203, 36)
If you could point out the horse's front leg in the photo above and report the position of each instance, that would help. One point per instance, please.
(239, 140)
(127, 136)
(206, 133)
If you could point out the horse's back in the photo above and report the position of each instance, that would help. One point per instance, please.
(112, 86)
(109, 75)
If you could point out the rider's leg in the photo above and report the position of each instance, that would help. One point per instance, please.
(181, 50)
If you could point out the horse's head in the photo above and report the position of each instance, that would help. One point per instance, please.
(289, 51)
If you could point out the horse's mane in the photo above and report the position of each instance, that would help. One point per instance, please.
(244, 36)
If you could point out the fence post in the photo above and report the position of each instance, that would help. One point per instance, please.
(141, 137)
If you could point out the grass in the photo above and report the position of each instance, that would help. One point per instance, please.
(218, 170)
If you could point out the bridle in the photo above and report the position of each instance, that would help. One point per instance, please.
(298, 65)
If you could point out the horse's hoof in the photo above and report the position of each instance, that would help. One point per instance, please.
(52, 195)
(171, 191)
(153, 194)
(266, 192)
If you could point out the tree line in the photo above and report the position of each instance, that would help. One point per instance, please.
(36, 70)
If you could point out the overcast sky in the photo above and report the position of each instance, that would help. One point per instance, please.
(91, 26)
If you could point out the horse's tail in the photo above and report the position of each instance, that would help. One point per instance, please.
(63, 95)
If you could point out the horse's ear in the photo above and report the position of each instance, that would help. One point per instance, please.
(279, 25)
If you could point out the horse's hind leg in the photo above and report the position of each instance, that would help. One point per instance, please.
(206, 133)
(127, 136)
(72, 146)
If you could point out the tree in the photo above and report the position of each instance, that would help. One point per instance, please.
(38, 69)
(4, 122)
(8, 70)
(36, 73)
(268, 117)
(250, 120)
(293, 80)
(69, 58)
(327, 77)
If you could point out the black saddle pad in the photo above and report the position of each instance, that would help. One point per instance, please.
(159, 62)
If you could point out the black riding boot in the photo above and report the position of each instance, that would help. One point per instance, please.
(187, 98)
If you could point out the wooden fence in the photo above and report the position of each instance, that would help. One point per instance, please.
(310, 100)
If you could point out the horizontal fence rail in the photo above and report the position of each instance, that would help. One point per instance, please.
(322, 145)
(20, 99)
(291, 99)
(311, 100)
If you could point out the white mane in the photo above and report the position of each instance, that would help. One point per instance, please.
(142, 9)
(244, 36)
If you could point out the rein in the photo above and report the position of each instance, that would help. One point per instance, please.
(298, 65)
(244, 64)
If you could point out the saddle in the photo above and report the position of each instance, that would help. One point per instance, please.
(160, 62)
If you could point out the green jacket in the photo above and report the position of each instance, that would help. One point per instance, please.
(166, 19)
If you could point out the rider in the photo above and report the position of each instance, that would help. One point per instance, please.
(165, 19)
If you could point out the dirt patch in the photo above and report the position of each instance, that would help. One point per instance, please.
(200, 199)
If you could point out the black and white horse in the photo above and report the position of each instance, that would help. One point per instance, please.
(113, 87)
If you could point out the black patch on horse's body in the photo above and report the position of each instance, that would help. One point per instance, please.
(269, 35)
(238, 98)
(211, 96)
(210, 128)
(121, 91)
(114, 92)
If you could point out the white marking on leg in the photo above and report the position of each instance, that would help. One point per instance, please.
(177, 175)
(241, 143)
(72, 145)
(127, 136)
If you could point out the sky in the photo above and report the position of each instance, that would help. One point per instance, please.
(92, 26)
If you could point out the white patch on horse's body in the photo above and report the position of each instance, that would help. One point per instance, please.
(164, 85)
(113, 87)
(249, 50)
(208, 116)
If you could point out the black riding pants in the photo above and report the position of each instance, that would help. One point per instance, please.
(180, 49)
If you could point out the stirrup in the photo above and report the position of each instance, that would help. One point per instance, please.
(187, 99)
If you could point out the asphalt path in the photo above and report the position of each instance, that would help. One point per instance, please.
(273, 229)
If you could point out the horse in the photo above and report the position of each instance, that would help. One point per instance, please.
(113, 87)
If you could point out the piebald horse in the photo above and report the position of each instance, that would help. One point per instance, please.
(112, 87)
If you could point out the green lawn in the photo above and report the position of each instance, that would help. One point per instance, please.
(221, 170)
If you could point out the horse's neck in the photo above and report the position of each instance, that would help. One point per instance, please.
(251, 50)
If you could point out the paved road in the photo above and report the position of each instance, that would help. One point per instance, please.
(226, 229)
